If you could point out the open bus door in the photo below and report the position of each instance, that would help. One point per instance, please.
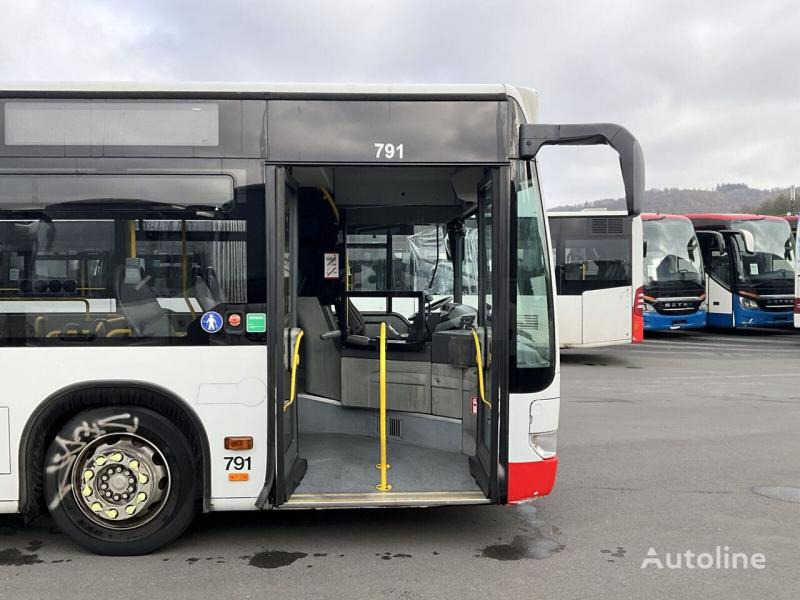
(283, 336)
(493, 218)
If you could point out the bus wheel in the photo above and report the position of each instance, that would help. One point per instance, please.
(121, 480)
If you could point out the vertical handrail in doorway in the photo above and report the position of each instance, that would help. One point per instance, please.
(384, 485)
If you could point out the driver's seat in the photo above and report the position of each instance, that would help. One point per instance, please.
(357, 331)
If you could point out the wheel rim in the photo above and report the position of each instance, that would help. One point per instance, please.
(121, 481)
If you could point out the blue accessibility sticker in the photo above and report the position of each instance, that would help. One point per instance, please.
(211, 322)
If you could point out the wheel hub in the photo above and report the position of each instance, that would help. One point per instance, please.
(121, 482)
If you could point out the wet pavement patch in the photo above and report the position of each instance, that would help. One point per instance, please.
(618, 553)
(34, 545)
(521, 547)
(390, 556)
(274, 559)
(11, 557)
(782, 493)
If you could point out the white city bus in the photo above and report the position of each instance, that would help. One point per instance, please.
(180, 272)
(598, 273)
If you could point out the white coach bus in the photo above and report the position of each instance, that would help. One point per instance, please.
(598, 274)
(180, 275)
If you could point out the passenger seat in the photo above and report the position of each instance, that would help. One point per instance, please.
(138, 301)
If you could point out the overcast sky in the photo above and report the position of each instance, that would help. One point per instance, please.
(711, 89)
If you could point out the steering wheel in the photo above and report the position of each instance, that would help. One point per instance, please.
(438, 304)
(429, 308)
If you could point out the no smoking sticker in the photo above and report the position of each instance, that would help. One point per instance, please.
(331, 267)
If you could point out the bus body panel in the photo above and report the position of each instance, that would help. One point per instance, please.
(793, 223)
(720, 304)
(615, 306)
(224, 386)
(530, 475)
(657, 322)
(570, 330)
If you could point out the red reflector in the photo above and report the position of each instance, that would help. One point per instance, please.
(797, 306)
(239, 443)
(637, 319)
(234, 319)
(530, 480)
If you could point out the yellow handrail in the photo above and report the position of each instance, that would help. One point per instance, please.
(384, 485)
(479, 361)
(295, 364)
(132, 239)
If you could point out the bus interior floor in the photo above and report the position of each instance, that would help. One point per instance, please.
(347, 464)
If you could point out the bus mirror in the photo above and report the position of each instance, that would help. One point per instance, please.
(631, 159)
(712, 241)
(691, 247)
(749, 241)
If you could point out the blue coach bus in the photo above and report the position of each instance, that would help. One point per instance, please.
(749, 263)
(674, 280)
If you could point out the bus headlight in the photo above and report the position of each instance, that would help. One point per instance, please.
(544, 444)
(703, 305)
(648, 307)
(747, 303)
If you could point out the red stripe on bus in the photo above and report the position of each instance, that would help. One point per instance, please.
(528, 480)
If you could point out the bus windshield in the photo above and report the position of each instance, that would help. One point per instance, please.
(673, 259)
(773, 259)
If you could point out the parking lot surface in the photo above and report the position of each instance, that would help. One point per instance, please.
(686, 442)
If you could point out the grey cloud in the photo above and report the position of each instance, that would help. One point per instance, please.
(711, 89)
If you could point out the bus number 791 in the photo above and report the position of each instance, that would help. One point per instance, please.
(389, 151)
(240, 463)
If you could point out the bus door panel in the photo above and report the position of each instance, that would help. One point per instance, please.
(290, 467)
(492, 238)
(716, 259)
(607, 315)
(720, 303)
(570, 320)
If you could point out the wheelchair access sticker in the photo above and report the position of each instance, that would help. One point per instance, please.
(211, 322)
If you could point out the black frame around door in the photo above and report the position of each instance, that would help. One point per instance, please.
(488, 469)
(488, 466)
(281, 192)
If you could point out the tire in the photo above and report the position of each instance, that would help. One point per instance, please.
(121, 480)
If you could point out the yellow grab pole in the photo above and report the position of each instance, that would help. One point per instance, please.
(295, 363)
(132, 239)
(383, 486)
(479, 361)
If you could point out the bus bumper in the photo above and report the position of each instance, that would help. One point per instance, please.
(750, 317)
(529, 480)
(654, 321)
